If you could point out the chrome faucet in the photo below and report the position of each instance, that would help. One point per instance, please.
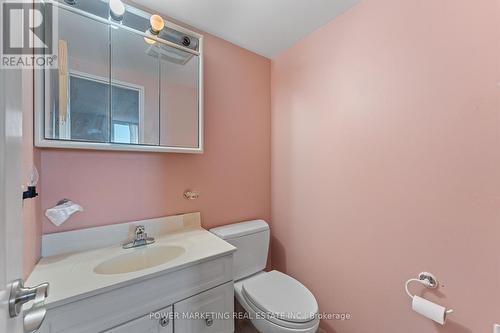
(141, 238)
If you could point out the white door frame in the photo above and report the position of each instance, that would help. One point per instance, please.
(11, 228)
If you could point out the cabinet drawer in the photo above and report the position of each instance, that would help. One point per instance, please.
(158, 322)
(208, 312)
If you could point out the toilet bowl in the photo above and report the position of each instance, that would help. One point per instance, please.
(277, 303)
(274, 301)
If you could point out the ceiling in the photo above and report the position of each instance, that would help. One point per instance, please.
(266, 27)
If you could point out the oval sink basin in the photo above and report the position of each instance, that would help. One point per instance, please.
(138, 259)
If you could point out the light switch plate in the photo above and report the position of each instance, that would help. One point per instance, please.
(496, 328)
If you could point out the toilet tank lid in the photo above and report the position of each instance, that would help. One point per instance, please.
(240, 229)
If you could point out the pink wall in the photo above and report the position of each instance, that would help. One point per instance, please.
(233, 175)
(179, 121)
(386, 163)
(31, 213)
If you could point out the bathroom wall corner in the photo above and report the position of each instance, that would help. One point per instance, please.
(31, 157)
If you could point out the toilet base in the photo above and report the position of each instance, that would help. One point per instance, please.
(262, 325)
(242, 324)
(247, 326)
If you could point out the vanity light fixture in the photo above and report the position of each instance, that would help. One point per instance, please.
(157, 24)
(116, 10)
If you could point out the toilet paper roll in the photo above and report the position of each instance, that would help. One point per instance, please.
(429, 309)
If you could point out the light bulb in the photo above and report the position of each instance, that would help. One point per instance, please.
(149, 40)
(157, 24)
(33, 177)
(116, 9)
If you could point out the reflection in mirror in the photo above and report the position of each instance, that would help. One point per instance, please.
(127, 114)
(79, 102)
(179, 106)
(88, 107)
(135, 95)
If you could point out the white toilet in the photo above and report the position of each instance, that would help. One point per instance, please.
(275, 302)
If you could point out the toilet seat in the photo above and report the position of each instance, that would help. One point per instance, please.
(281, 299)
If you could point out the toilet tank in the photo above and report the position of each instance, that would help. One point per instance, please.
(251, 239)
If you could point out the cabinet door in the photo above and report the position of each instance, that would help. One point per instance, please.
(160, 321)
(79, 94)
(208, 312)
(179, 98)
(135, 93)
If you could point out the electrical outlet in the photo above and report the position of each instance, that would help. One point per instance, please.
(496, 328)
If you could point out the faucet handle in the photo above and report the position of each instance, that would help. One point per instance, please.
(141, 238)
(139, 230)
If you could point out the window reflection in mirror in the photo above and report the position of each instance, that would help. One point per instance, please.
(134, 63)
(127, 112)
(88, 110)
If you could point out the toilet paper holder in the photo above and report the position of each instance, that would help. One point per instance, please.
(428, 280)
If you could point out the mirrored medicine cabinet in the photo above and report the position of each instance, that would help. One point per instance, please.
(132, 82)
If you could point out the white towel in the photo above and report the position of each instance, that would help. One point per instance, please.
(60, 213)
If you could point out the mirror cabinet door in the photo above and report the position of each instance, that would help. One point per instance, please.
(135, 93)
(179, 98)
(79, 97)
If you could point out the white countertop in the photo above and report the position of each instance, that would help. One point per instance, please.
(71, 275)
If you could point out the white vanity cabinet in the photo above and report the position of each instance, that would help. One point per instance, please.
(213, 304)
(190, 290)
(160, 323)
(207, 312)
(203, 287)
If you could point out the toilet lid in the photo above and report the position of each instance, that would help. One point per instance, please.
(282, 296)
